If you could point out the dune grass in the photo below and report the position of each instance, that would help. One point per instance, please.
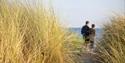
(29, 35)
(112, 45)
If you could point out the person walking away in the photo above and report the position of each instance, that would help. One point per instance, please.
(92, 36)
(85, 33)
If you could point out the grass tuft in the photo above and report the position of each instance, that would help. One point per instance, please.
(112, 45)
(32, 35)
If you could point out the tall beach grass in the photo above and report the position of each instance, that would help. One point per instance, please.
(112, 45)
(32, 35)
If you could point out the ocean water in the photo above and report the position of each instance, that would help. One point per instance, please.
(99, 32)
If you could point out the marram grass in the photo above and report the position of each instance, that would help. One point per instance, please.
(112, 45)
(29, 35)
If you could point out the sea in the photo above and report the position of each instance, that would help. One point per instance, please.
(99, 32)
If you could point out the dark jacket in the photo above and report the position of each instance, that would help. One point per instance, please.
(85, 30)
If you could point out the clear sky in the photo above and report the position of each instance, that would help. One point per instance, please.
(74, 13)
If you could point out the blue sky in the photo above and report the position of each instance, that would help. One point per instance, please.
(74, 13)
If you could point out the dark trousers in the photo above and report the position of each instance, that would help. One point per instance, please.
(86, 38)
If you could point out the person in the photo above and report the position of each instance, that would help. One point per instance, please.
(92, 36)
(85, 33)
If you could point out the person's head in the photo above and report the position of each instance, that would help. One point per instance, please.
(87, 22)
(93, 25)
